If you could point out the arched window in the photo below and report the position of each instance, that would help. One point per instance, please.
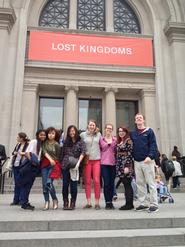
(91, 15)
(55, 14)
(125, 20)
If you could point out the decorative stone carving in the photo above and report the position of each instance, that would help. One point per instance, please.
(7, 18)
(175, 31)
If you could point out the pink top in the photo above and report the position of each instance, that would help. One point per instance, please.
(108, 151)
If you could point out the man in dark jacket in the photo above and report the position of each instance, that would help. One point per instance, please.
(144, 153)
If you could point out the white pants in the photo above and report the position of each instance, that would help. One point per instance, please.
(145, 175)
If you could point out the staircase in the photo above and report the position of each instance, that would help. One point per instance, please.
(92, 228)
(37, 187)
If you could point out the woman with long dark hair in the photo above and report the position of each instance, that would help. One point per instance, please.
(34, 148)
(124, 165)
(50, 167)
(73, 149)
(18, 156)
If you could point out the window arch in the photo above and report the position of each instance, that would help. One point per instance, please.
(55, 14)
(91, 15)
(125, 20)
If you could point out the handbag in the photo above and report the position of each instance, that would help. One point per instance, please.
(72, 162)
(85, 160)
(9, 163)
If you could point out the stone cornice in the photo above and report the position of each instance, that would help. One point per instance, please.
(175, 32)
(7, 18)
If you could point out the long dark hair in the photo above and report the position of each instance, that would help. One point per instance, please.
(50, 129)
(68, 140)
(125, 137)
(39, 142)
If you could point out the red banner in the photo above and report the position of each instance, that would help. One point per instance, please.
(90, 49)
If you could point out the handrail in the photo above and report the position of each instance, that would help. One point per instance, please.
(2, 176)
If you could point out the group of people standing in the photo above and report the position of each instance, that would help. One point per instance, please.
(128, 156)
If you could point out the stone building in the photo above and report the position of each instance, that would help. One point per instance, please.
(39, 92)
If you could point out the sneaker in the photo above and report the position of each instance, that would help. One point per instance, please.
(142, 208)
(15, 204)
(28, 207)
(109, 206)
(153, 209)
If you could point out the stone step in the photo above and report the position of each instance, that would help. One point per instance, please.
(90, 224)
(103, 238)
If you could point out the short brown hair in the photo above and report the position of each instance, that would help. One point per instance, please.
(110, 125)
(140, 115)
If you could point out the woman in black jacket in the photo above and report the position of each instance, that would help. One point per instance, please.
(18, 153)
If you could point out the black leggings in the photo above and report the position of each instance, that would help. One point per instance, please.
(128, 190)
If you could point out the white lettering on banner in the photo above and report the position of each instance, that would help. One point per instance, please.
(63, 47)
(105, 49)
(92, 49)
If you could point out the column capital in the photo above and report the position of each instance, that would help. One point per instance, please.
(175, 32)
(31, 87)
(71, 87)
(7, 18)
(149, 92)
(111, 89)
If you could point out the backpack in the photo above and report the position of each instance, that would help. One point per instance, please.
(169, 167)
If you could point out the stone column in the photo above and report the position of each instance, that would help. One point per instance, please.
(29, 110)
(175, 32)
(110, 107)
(148, 102)
(7, 20)
(71, 107)
(73, 14)
(109, 17)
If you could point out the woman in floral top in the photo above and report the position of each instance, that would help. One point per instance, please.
(74, 147)
(124, 165)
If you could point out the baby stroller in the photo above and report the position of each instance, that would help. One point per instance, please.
(163, 194)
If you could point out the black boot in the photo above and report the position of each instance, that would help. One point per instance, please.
(72, 204)
(126, 207)
(66, 204)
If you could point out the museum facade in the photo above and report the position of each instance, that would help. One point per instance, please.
(63, 62)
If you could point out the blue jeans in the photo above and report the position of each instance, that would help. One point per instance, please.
(16, 198)
(108, 174)
(47, 184)
(66, 182)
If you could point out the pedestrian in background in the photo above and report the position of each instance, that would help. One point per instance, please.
(177, 173)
